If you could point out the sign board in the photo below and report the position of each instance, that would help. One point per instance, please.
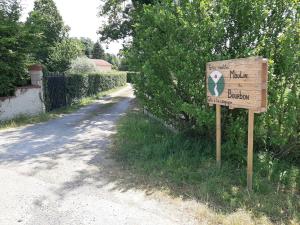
(238, 83)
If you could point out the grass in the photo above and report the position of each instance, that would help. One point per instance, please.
(43, 117)
(185, 167)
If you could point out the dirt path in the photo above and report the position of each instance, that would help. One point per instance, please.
(59, 173)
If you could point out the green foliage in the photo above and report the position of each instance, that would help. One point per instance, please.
(82, 65)
(172, 44)
(124, 66)
(76, 87)
(82, 85)
(63, 53)
(98, 51)
(15, 44)
(131, 76)
(105, 81)
(120, 18)
(88, 46)
(159, 159)
(48, 26)
(112, 59)
(118, 13)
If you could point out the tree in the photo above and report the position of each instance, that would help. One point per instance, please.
(47, 24)
(63, 53)
(98, 51)
(120, 18)
(112, 59)
(123, 64)
(15, 43)
(88, 45)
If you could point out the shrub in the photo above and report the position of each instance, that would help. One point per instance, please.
(14, 47)
(62, 54)
(82, 65)
(131, 76)
(172, 44)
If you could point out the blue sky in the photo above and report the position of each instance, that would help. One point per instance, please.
(81, 16)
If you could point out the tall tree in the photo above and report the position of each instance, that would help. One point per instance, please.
(88, 46)
(120, 18)
(98, 51)
(14, 47)
(46, 22)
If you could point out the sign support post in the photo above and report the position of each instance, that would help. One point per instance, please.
(250, 149)
(218, 135)
(238, 83)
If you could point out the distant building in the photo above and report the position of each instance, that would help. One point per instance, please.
(102, 65)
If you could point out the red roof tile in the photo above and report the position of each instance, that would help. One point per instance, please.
(101, 62)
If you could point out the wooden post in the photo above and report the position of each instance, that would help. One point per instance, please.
(218, 135)
(250, 149)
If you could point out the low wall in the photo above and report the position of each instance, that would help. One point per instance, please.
(27, 101)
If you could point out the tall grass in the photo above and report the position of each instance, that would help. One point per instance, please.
(186, 167)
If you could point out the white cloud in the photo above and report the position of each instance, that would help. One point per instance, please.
(81, 16)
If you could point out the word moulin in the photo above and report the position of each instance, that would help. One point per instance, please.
(237, 75)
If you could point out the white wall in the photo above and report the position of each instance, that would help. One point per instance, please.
(27, 100)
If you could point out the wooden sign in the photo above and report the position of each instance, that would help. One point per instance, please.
(238, 83)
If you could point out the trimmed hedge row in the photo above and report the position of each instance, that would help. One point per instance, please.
(83, 85)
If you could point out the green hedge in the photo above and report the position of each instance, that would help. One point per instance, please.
(83, 85)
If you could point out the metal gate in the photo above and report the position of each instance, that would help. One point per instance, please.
(55, 90)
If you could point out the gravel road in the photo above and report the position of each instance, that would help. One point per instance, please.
(59, 172)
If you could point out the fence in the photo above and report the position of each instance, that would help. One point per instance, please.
(55, 90)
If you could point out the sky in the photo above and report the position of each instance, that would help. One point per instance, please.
(81, 16)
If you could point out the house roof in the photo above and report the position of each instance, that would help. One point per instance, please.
(101, 62)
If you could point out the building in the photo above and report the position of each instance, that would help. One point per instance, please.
(102, 65)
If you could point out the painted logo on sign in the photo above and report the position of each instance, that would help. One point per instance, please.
(216, 83)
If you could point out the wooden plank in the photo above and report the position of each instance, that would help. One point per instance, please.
(254, 77)
(238, 82)
(264, 97)
(228, 61)
(218, 135)
(228, 102)
(253, 86)
(254, 95)
(250, 149)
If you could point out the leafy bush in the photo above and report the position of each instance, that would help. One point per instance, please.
(172, 44)
(62, 54)
(82, 65)
(82, 85)
(14, 47)
(131, 76)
